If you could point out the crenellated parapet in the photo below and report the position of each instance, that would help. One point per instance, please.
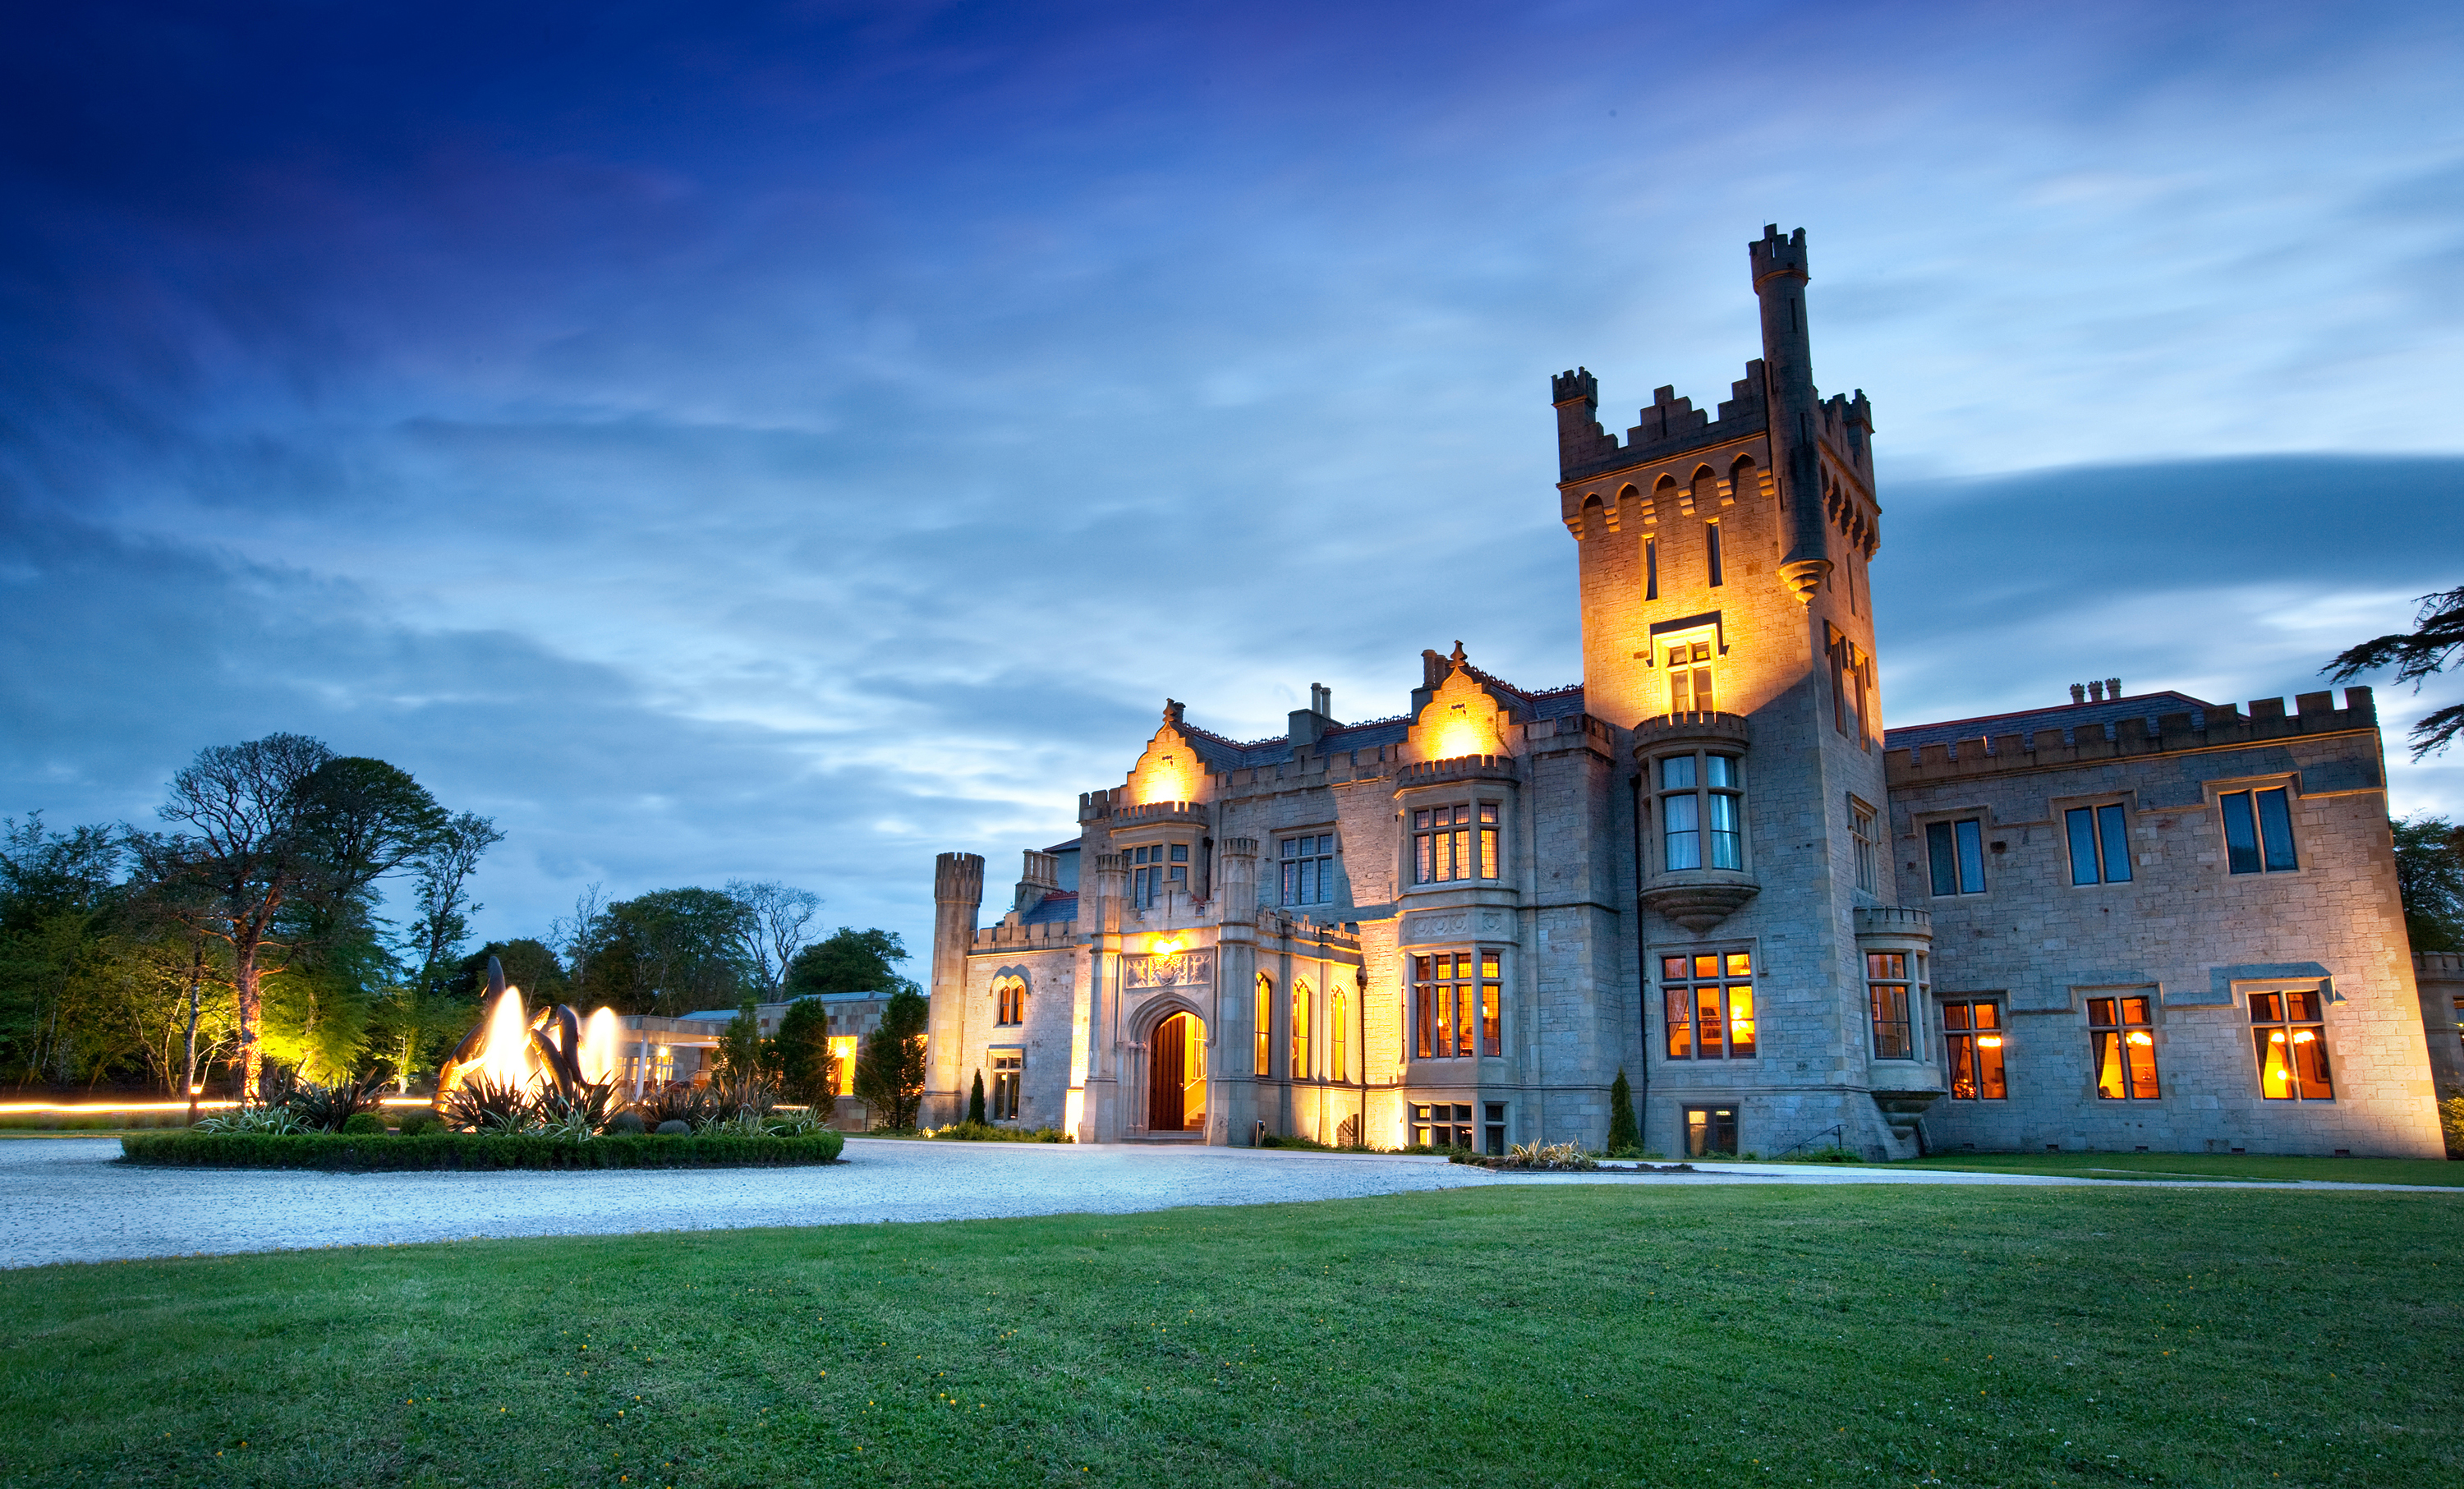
(2314, 713)
(1668, 428)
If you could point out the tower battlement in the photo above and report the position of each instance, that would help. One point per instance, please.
(1774, 254)
(1666, 426)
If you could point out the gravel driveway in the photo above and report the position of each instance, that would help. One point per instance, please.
(67, 1201)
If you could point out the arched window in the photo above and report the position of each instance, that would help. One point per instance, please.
(1338, 1055)
(1009, 1000)
(1300, 1031)
(1265, 1027)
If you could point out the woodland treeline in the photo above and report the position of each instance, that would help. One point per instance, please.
(247, 928)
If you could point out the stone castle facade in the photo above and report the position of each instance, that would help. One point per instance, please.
(2126, 922)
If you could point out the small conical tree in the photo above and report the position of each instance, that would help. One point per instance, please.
(976, 1100)
(1623, 1135)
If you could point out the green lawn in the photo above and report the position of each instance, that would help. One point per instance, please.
(1517, 1335)
(2205, 1166)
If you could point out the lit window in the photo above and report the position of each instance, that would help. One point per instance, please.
(1702, 808)
(2290, 1034)
(1888, 988)
(1709, 998)
(2258, 831)
(1265, 1026)
(1300, 1067)
(1957, 851)
(1448, 845)
(1309, 870)
(1009, 1001)
(1711, 1131)
(2100, 845)
(1441, 1124)
(1455, 1005)
(1689, 677)
(1861, 830)
(1154, 871)
(1338, 1054)
(2122, 1038)
(1006, 1068)
(1973, 1045)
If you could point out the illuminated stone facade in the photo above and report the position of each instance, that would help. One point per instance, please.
(1706, 866)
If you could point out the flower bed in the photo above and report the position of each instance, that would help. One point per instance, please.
(353, 1153)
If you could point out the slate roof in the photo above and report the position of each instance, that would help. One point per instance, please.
(2069, 717)
(1223, 755)
(1057, 905)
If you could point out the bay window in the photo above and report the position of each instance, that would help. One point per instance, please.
(1702, 810)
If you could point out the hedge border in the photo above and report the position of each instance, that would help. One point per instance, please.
(337, 1152)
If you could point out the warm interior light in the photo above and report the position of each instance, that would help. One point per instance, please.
(2303, 1036)
(2140, 1037)
(1991, 1041)
(2277, 1037)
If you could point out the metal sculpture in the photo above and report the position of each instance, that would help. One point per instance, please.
(555, 1050)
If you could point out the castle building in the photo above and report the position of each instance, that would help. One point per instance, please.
(2142, 921)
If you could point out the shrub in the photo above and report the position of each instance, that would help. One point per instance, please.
(1624, 1135)
(421, 1119)
(679, 1103)
(484, 1105)
(976, 1103)
(329, 1109)
(987, 1133)
(1823, 1156)
(363, 1124)
(2450, 1121)
(626, 1124)
(274, 1119)
(1556, 1157)
(675, 1127)
(1285, 1140)
(441, 1149)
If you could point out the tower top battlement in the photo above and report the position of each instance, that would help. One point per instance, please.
(1774, 254)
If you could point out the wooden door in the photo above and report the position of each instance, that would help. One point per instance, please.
(1168, 1053)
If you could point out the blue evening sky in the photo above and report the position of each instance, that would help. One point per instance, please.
(787, 442)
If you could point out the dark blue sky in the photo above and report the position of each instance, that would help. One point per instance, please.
(791, 441)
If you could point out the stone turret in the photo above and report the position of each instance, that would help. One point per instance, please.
(957, 897)
(1780, 276)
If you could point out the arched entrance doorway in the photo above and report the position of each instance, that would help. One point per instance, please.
(1176, 1075)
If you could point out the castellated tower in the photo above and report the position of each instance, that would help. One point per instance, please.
(1728, 631)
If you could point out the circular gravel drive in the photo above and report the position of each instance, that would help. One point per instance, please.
(68, 1201)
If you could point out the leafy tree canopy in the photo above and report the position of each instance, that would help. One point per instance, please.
(529, 965)
(890, 1068)
(670, 952)
(2422, 652)
(849, 961)
(2430, 875)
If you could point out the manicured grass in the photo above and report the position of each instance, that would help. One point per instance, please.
(1498, 1336)
(2203, 1166)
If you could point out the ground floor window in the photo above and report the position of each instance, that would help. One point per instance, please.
(2291, 1037)
(1006, 1068)
(1441, 1124)
(1455, 1005)
(1887, 987)
(1971, 1035)
(1494, 1130)
(1711, 1131)
(2123, 1038)
(1710, 1005)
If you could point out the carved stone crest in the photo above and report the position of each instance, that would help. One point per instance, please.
(1191, 968)
(1484, 923)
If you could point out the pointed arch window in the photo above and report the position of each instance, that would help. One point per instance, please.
(1009, 1001)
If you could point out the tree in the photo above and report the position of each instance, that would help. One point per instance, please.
(57, 896)
(800, 1053)
(267, 834)
(772, 933)
(849, 961)
(890, 1067)
(2422, 652)
(441, 903)
(2429, 876)
(670, 952)
(741, 1053)
(1624, 1137)
(976, 1100)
